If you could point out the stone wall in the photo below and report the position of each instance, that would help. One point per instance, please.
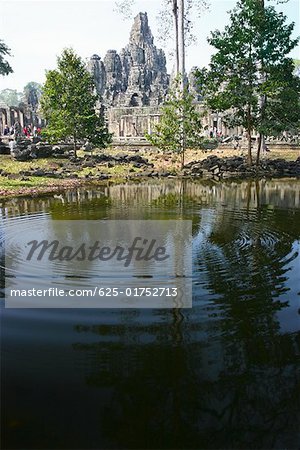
(134, 122)
(9, 115)
(130, 122)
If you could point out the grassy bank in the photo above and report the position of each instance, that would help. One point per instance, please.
(33, 186)
(48, 175)
(16, 178)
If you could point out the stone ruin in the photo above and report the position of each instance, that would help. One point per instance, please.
(137, 76)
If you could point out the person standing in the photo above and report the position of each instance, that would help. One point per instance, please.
(12, 145)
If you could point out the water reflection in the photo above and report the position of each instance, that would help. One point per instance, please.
(167, 195)
(222, 375)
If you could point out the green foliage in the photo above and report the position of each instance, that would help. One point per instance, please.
(5, 68)
(10, 97)
(68, 103)
(179, 118)
(31, 95)
(251, 78)
(282, 108)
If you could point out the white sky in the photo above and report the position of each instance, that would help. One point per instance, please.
(38, 30)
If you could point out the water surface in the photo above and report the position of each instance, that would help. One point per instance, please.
(223, 374)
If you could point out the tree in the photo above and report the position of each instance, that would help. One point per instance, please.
(251, 77)
(179, 118)
(68, 103)
(10, 97)
(178, 26)
(5, 68)
(263, 75)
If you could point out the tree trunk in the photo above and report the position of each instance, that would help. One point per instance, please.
(262, 101)
(249, 148)
(260, 139)
(249, 129)
(75, 146)
(181, 41)
(182, 159)
(175, 15)
(261, 147)
(182, 70)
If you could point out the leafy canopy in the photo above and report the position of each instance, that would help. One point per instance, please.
(69, 102)
(251, 64)
(5, 68)
(10, 97)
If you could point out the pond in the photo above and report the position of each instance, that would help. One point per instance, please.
(223, 374)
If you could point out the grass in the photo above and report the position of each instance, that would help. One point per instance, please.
(16, 184)
(9, 165)
(13, 183)
(34, 186)
(13, 167)
(6, 183)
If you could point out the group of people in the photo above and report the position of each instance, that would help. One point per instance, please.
(16, 132)
(8, 131)
(28, 130)
(213, 132)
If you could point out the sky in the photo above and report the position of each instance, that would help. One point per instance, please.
(38, 30)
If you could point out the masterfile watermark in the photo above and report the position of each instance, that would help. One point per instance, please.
(140, 250)
(98, 264)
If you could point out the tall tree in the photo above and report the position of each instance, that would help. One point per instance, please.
(176, 33)
(5, 68)
(263, 78)
(69, 102)
(179, 117)
(251, 76)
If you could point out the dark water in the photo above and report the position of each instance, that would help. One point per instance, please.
(222, 375)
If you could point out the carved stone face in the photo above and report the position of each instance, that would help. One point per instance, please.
(138, 55)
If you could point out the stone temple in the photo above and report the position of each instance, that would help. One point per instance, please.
(131, 86)
(135, 77)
